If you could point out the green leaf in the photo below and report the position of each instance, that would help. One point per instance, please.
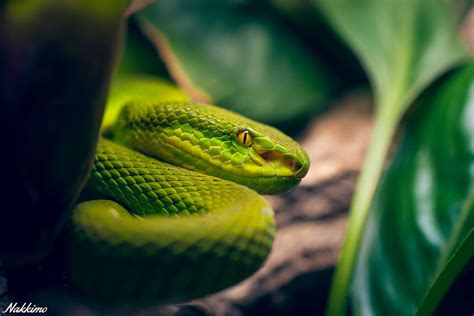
(56, 58)
(235, 54)
(448, 275)
(403, 46)
(307, 23)
(424, 208)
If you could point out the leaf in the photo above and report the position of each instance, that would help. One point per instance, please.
(306, 22)
(234, 54)
(403, 46)
(448, 275)
(56, 61)
(424, 208)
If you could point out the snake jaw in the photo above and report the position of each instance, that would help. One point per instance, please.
(284, 165)
(275, 157)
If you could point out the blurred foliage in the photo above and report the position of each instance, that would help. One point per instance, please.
(56, 59)
(305, 21)
(403, 46)
(424, 207)
(236, 55)
(139, 56)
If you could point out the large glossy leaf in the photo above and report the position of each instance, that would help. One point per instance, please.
(56, 58)
(424, 208)
(235, 54)
(403, 46)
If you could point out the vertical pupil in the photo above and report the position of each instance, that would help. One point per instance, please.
(245, 138)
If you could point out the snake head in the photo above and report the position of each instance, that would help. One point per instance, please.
(272, 162)
(215, 141)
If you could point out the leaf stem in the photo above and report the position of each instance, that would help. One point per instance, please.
(386, 122)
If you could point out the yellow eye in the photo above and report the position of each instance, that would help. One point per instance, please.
(244, 138)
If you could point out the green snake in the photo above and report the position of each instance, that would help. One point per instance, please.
(175, 211)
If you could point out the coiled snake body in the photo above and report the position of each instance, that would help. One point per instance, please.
(168, 224)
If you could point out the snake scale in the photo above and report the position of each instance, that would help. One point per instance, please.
(176, 213)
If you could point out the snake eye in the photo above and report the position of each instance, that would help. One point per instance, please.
(244, 138)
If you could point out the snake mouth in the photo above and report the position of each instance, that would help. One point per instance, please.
(285, 165)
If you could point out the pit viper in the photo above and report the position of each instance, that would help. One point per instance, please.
(174, 211)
